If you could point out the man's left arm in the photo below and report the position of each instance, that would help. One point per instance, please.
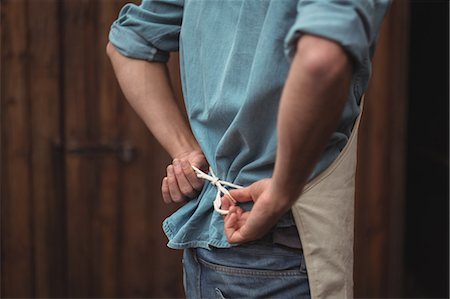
(310, 108)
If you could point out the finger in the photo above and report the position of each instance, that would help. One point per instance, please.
(239, 211)
(231, 211)
(200, 162)
(242, 195)
(190, 175)
(174, 191)
(241, 215)
(227, 202)
(234, 223)
(183, 183)
(165, 191)
(233, 235)
(242, 218)
(230, 225)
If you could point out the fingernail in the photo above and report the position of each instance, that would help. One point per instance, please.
(176, 163)
(170, 170)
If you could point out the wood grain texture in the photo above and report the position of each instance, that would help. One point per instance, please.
(116, 245)
(81, 174)
(381, 170)
(107, 221)
(44, 90)
(17, 265)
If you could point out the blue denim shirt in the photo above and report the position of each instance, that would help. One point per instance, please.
(234, 58)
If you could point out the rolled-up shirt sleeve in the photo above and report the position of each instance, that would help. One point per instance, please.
(354, 24)
(148, 31)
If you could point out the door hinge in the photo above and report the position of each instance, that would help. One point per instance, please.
(125, 152)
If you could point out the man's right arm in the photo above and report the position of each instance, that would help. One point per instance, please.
(146, 86)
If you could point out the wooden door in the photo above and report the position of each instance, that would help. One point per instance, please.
(113, 171)
(379, 210)
(81, 207)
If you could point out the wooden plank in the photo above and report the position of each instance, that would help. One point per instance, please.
(107, 220)
(81, 174)
(92, 179)
(2, 116)
(17, 265)
(399, 47)
(44, 89)
(380, 180)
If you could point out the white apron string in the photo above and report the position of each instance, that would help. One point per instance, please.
(219, 184)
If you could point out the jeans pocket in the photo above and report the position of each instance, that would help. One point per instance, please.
(221, 281)
(303, 266)
(251, 271)
(184, 276)
(219, 293)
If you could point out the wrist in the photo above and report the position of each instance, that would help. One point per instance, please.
(288, 183)
(276, 203)
(184, 147)
(286, 192)
(185, 152)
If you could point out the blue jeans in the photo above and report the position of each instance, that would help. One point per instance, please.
(254, 270)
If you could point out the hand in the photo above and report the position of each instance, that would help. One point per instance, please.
(181, 182)
(241, 226)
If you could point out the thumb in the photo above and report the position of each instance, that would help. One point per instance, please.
(200, 162)
(242, 195)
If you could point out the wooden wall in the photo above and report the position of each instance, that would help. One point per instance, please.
(81, 210)
(81, 207)
(379, 216)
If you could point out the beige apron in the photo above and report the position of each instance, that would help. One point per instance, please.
(324, 215)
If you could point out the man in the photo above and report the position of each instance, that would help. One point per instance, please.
(272, 89)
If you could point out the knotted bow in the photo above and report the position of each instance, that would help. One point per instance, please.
(215, 181)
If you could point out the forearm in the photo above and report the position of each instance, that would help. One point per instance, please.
(310, 108)
(147, 88)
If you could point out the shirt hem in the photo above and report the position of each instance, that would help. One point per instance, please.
(192, 244)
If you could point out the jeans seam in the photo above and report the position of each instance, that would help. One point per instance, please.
(199, 273)
(252, 272)
(184, 276)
